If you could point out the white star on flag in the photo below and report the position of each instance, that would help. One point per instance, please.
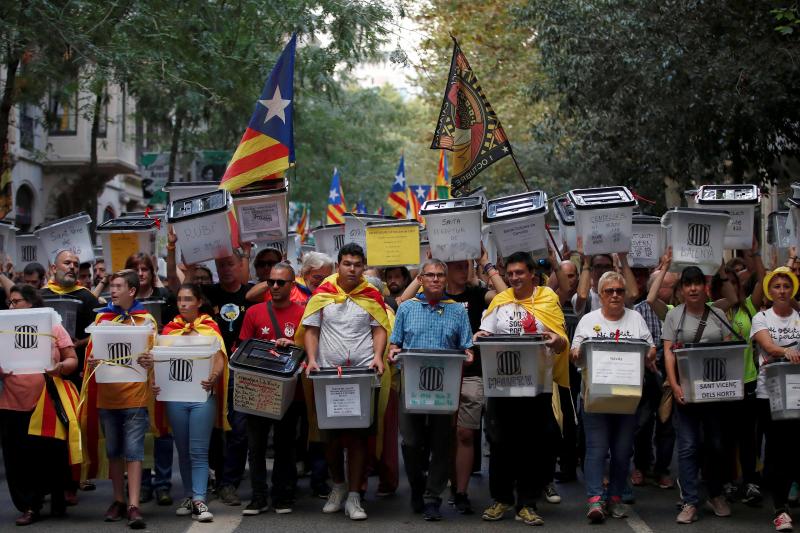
(333, 195)
(399, 179)
(275, 106)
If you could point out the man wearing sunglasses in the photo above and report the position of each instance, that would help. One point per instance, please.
(275, 320)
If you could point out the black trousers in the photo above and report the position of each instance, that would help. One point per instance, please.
(35, 466)
(781, 460)
(284, 469)
(523, 438)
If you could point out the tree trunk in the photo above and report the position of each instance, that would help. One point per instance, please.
(93, 182)
(6, 164)
(177, 130)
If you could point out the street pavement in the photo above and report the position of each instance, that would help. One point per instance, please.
(654, 511)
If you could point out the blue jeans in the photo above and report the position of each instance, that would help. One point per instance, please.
(160, 477)
(124, 431)
(604, 433)
(192, 423)
(702, 426)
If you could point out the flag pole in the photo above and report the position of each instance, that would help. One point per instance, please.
(519, 171)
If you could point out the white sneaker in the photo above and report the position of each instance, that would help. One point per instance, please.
(184, 508)
(352, 507)
(335, 499)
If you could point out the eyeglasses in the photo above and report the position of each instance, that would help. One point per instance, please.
(278, 282)
(262, 264)
(434, 275)
(14, 302)
(620, 291)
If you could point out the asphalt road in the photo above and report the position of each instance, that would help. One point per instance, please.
(654, 511)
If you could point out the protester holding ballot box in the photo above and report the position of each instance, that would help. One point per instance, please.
(777, 333)
(37, 442)
(64, 282)
(121, 408)
(276, 319)
(431, 321)
(610, 433)
(523, 433)
(346, 325)
(694, 321)
(193, 421)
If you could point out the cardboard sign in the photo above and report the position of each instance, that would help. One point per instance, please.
(123, 245)
(393, 245)
(258, 395)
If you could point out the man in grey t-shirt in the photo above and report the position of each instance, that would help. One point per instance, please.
(346, 334)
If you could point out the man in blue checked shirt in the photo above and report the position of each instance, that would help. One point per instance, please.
(430, 321)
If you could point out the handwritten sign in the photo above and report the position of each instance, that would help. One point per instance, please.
(455, 237)
(263, 220)
(606, 230)
(70, 235)
(258, 395)
(526, 235)
(204, 238)
(615, 368)
(123, 245)
(343, 400)
(646, 246)
(393, 245)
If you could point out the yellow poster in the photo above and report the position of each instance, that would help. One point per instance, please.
(393, 245)
(123, 245)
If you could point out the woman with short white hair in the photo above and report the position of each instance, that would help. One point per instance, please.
(609, 433)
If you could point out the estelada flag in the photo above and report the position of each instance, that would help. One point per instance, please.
(398, 199)
(418, 195)
(267, 146)
(468, 126)
(336, 205)
(302, 226)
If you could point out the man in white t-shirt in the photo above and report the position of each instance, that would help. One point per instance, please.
(522, 432)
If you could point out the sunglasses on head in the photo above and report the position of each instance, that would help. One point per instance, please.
(617, 291)
(278, 282)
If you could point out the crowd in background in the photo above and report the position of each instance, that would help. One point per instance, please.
(346, 314)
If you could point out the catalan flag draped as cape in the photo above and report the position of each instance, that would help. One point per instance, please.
(370, 299)
(336, 205)
(58, 404)
(95, 462)
(267, 146)
(398, 199)
(543, 305)
(204, 325)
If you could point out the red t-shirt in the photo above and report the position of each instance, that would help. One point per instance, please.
(258, 325)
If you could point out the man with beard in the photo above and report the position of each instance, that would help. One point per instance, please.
(396, 280)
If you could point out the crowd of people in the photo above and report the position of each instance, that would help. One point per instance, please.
(346, 314)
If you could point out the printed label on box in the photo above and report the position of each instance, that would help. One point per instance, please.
(614, 368)
(705, 391)
(343, 400)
